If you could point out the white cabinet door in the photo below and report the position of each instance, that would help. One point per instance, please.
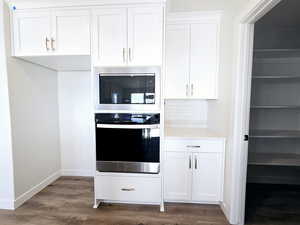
(32, 32)
(145, 36)
(177, 61)
(71, 32)
(177, 176)
(110, 37)
(204, 60)
(207, 177)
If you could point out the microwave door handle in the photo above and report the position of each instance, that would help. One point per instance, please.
(118, 126)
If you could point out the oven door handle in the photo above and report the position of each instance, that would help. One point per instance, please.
(118, 126)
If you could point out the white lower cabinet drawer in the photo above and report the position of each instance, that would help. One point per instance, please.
(195, 145)
(128, 189)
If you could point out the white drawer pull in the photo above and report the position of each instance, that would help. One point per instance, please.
(127, 189)
(194, 146)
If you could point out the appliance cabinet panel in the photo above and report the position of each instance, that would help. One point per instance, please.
(71, 32)
(110, 37)
(207, 177)
(204, 60)
(32, 30)
(177, 176)
(145, 36)
(177, 61)
(128, 189)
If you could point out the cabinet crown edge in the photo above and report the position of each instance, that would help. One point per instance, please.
(31, 4)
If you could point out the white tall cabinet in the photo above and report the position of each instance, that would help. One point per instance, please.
(192, 56)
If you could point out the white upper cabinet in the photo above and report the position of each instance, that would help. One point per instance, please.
(145, 35)
(71, 32)
(128, 36)
(32, 32)
(177, 53)
(122, 34)
(204, 60)
(192, 56)
(110, 36)
(51, 32)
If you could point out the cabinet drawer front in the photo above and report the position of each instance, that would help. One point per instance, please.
(176, 145)
(128, 189)
(206, 146)
(195, 145)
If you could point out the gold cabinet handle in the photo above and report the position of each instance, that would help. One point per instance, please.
(46, 43)
(193, 146)
(52, 44)
(130, 55)
(124, 57)
(187, 90)
(127, 189)
(192, 89)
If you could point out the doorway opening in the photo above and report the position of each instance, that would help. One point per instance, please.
(273, 168)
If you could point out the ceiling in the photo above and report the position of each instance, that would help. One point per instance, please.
(285, 14)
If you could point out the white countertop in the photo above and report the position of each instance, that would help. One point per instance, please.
(182, 132)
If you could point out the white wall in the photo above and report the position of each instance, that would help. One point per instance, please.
(219, 111)
(6, 162)
(35, 129)
(76, 142)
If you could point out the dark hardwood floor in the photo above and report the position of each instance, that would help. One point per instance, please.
(68, 201)
(271, 204)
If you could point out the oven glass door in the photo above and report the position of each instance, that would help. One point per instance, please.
(127, 88)
(128, 145)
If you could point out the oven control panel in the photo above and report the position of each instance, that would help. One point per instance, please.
(126, 118)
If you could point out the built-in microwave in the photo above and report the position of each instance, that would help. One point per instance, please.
(127, 88)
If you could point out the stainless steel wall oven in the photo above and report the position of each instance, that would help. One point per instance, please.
(128, 143)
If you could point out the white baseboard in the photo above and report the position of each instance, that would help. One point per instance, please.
(77, 173)
(36, 189)
(7, 204)
(225, 210)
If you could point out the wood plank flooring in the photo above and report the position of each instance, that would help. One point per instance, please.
(69, 200)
